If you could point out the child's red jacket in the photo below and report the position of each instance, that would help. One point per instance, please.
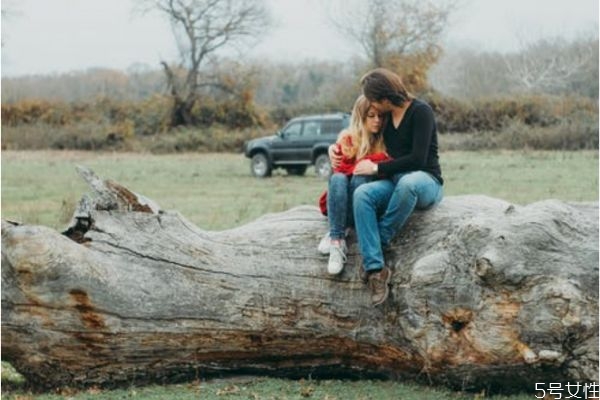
(347, 167)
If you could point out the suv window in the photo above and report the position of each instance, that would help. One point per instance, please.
(294, 129)
(332, 126)
(312, 128)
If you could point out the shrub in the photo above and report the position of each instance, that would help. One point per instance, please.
(575, 133)
(237, 114)
(541, 122)
(214, 139)
(77, 136)
(86, 136)
(494, 114)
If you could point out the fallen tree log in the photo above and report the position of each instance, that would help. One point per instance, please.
(484, 294)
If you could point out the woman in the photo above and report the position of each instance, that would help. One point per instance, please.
(361, 141)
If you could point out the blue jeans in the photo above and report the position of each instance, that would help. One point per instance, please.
(381, 209)
(339, 202)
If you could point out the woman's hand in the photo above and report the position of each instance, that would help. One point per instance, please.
(365, 167)
(335, 156)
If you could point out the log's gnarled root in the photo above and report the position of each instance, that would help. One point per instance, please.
(484, 293)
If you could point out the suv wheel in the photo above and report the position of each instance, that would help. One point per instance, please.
(260, 166)
(298, 170)
(322, 166)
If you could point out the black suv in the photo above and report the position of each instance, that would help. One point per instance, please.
(302, 142)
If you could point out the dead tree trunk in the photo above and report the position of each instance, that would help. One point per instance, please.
(484, 293)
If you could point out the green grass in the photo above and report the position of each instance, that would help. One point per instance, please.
(269, 388)
(523, 177)
(216, 191)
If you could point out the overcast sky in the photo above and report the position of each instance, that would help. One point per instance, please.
(55, 36)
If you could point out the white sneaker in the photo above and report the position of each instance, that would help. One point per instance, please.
(324, 244)
(337, 257)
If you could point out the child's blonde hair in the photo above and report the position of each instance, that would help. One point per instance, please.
(362, 143)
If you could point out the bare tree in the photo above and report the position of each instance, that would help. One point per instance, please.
(202, 28)
(552, 65)
(470, 73)
(386, 29)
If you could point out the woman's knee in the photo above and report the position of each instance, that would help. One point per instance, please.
(338, 180)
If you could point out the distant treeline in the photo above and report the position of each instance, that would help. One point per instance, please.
(545, 96)
(545, 67)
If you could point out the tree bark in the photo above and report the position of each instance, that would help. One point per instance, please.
(484, 294)
(181, 109)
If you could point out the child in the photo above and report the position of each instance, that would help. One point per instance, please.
(362, 140)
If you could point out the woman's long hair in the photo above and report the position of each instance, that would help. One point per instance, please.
(362, 142)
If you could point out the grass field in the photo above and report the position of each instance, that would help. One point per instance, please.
(216, 191)
(259, 388)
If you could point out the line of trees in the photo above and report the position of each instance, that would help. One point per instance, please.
(204, 87)
(571, 68)
(552, 65)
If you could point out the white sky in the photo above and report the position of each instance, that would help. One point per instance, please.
(55, 36)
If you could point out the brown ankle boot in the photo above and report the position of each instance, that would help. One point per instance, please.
(379, 285)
